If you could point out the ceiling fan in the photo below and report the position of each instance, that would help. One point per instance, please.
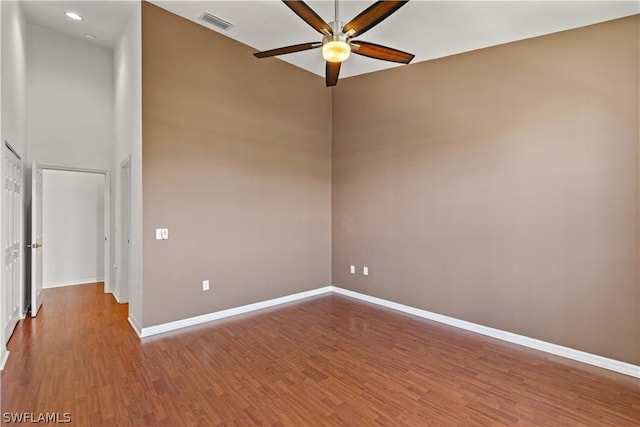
(337, 43)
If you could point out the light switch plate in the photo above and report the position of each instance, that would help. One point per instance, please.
(162, 233)
(353, 269)
(365, 271)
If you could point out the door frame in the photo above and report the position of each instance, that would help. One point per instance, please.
(120, 296)
(37, 179)
(108, 288)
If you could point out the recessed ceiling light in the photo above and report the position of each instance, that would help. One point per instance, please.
(90, 36)
(73, 16)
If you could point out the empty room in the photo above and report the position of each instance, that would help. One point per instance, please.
(321, 213)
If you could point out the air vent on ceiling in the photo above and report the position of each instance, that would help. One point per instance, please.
(216, 22)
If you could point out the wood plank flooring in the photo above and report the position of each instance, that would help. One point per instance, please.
(325, 361)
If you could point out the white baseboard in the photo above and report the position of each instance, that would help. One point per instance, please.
(178, 324)
(135, 326)
(4, 356)
(71, 283)
(569, 353)
(116, 296)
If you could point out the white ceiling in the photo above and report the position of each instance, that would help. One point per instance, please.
(429, 29)
(103, 19)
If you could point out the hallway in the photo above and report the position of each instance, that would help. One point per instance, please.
(64, 359)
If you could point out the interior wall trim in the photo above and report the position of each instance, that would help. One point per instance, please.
(567, 352)
(178, 324)
(558, 350)
(115, 294)
(76, 282)
(135, 325)
(4, 357)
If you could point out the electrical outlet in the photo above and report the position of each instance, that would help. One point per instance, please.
(162, 234)
(365, 271)
(205, 285)
(353, 269)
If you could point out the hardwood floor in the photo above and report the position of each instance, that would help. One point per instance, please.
(325, 361)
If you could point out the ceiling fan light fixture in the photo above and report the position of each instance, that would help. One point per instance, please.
(336, 49)
(336, 46)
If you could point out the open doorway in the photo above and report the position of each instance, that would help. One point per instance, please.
(73, 220)
(73, 228)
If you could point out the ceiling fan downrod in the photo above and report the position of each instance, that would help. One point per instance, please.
(336, 25)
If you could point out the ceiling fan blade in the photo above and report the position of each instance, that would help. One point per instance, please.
(377, 51)
(333, 70)
(307, 14)
(372, 16)
(287, 49)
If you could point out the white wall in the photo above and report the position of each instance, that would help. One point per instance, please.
(14, 99)
(13, 110)
(128, 137)
(70, 100)
(73, 228)
(3, 347)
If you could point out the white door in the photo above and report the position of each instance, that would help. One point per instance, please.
(36, 239)
(11, 239)
(125, 236)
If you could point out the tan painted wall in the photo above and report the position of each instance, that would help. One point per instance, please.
(237, 164)
(499, 187)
